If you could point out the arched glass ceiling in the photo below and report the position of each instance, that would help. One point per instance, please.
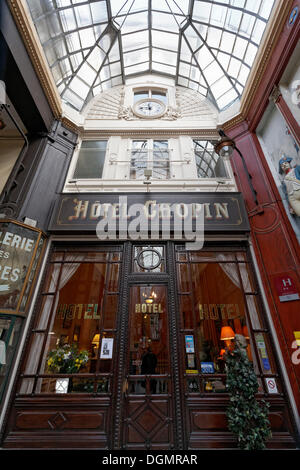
(205, 45)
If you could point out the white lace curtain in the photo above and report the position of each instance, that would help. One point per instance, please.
(231, 270)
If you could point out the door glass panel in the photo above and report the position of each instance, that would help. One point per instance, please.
(148, 340)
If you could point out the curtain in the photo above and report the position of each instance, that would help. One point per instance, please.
(231, 270)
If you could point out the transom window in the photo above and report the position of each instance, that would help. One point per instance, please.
(151, 155)
(208, 162)
(155, 94)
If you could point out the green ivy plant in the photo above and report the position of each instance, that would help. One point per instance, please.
(247, 418)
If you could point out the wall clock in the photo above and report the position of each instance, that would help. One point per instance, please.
(149, 108)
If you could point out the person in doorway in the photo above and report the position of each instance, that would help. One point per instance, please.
(149, 362)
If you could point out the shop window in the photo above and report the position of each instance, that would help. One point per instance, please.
(91, 159)
(72, 343)
(218, 299)
(150, 155)
(208, 162)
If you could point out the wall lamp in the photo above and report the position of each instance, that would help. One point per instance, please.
(225, 148)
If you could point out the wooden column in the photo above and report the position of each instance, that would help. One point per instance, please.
(276, 248)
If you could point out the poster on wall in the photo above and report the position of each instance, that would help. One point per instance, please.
(18, 249)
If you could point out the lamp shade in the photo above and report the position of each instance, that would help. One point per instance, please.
(96, 339)
(225, 148)
(227, 333)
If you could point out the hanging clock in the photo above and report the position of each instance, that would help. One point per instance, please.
(149, 108)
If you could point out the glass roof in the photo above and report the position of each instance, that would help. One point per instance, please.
(205, 45)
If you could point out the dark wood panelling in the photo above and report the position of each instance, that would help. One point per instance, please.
(207, 424)
(39, 176)
(22, 83)
(48, 422)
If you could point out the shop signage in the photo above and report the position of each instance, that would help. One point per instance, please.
(82, 212)
(286, 288)
(18, 251)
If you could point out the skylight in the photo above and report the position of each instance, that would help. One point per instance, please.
(205, 45)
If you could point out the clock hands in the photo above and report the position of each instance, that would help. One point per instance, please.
(147, 108)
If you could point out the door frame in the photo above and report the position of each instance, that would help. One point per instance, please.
(129, 279)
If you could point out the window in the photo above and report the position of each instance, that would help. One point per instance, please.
(218, 298)
(75, 326)
(150, 155)
(149, 259)
(208, 162)
(91, 159)
(156, 94)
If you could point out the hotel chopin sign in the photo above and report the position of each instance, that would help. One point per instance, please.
(19, 251)
(223, 212)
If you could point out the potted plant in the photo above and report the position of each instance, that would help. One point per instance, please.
(247, 418)
(66, 359)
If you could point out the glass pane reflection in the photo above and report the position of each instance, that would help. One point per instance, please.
(148, 339)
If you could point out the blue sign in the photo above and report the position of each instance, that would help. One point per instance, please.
(207, 368)
(189, 344)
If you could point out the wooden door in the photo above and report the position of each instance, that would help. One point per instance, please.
(148, 408)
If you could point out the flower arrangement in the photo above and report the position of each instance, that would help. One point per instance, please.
(67, 359)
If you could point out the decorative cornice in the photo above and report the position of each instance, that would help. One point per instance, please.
(205, 133)
(274, 28)
(35, 51)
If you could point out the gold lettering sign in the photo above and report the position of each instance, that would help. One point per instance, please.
(78, 311)
(148, 308)
(86, 210)
(219, 311)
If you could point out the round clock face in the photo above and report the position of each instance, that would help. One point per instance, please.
(150, 108)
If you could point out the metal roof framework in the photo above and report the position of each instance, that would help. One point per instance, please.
(206, 45)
